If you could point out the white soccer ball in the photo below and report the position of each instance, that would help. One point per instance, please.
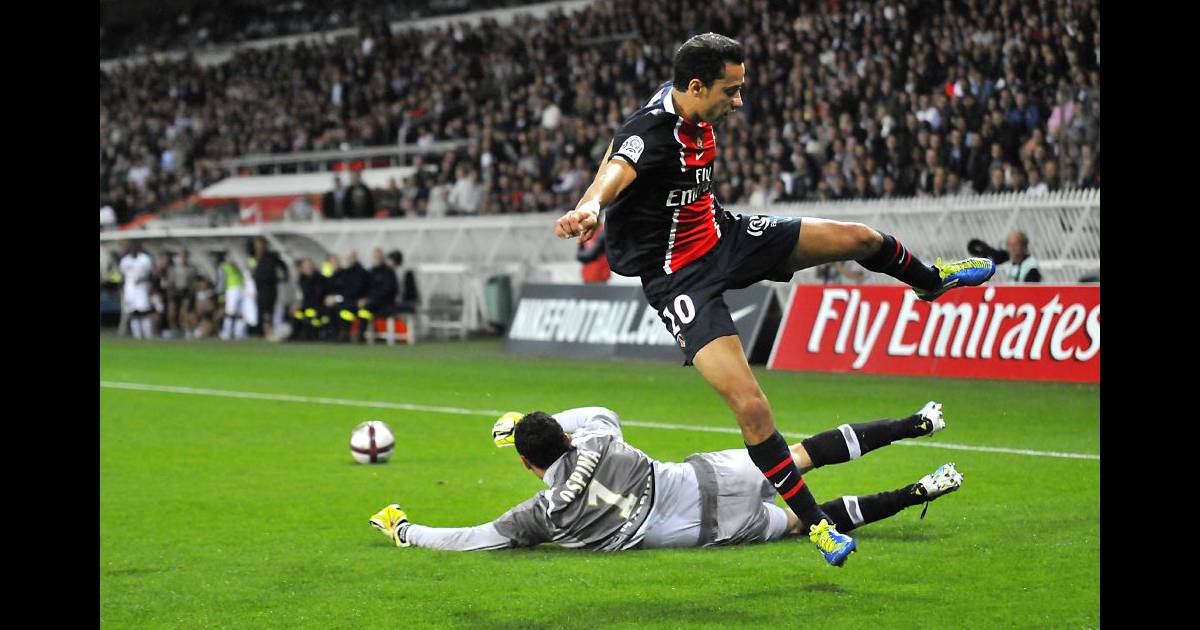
(372, 442)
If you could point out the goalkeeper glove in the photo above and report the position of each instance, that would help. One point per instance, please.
(393, 522)
(504, 431)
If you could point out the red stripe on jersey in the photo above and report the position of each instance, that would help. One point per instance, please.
(699, 144)
(693, 233)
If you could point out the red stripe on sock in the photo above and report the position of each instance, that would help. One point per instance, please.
(895, 254)
(794, 490)
(780, 466)
(907, 260)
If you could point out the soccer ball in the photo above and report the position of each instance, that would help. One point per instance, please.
(372, 442)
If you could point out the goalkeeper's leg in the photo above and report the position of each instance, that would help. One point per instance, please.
(852, 512)
(851, 441)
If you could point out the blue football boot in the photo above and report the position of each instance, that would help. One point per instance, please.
(969, 272)
(835, 546)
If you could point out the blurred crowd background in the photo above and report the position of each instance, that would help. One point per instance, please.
(844, 99)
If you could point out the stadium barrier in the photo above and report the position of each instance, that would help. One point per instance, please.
(1025, 332)
(1063, 228)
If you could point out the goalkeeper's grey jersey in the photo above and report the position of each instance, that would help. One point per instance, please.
(601, 492)
(604, 495)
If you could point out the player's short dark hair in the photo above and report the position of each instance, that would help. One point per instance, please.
(540, 439)
(704, 57)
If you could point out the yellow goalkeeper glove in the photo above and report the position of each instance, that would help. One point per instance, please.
(503, 432)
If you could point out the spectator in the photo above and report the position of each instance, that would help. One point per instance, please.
(180, 287)
(997, 185)
(380, 297)
(108, 217)
(268, 272)
(593, 253)
(199, 320)
(1037, 187)
(307, 320)
(410, 297)
(331, 270)
(333, 202)
(348, 286)
(360, 201)
(439, 198)
(231, 283)
(136, 268)
(1022, 267)
(466, 194)
(391, 200)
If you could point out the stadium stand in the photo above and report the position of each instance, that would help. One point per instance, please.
(856, 100)
(138, 27)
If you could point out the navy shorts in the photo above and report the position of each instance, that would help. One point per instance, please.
(691, 301)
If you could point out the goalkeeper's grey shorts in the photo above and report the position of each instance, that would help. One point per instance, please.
(737, 501)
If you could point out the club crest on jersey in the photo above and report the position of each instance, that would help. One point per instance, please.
(632, 148)
(758, 224)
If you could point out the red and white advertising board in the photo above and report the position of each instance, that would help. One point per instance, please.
(1017, 332)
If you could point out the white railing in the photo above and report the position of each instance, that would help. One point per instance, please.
(322, 159)
(1063, 227)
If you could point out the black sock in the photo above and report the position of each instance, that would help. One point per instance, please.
(894, 259)
(774, 459)
(851, 441)
(851, 512)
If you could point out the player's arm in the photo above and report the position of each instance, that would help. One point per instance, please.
(591, 420)
(525, 525)
(479, 538)
(613, 177)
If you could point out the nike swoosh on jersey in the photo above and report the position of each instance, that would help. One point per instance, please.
(742, 312)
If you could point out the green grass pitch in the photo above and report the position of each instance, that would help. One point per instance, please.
(237, 512)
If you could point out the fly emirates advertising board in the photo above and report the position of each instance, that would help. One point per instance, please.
(1017, 332)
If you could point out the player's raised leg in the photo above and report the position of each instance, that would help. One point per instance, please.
(851, 441)
(724, 366)
(852, 512)
(823, 241)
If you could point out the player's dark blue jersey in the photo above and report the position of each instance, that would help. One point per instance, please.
(667, 217)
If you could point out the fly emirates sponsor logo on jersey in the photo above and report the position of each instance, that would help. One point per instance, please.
(687, 196)
(1007, 332)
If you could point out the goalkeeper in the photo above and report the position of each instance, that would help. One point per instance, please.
(606, 495)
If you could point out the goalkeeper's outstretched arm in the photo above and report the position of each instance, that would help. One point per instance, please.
(525, 525)
(479, 538)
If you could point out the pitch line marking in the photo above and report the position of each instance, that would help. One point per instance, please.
(460, 411)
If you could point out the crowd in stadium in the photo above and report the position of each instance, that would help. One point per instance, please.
(200, 24)
(857, 100)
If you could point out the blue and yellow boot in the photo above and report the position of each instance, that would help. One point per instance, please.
(969, 272)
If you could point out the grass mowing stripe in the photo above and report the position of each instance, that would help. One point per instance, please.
(200, 391)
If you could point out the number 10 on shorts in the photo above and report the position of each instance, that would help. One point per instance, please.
(684, 309)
